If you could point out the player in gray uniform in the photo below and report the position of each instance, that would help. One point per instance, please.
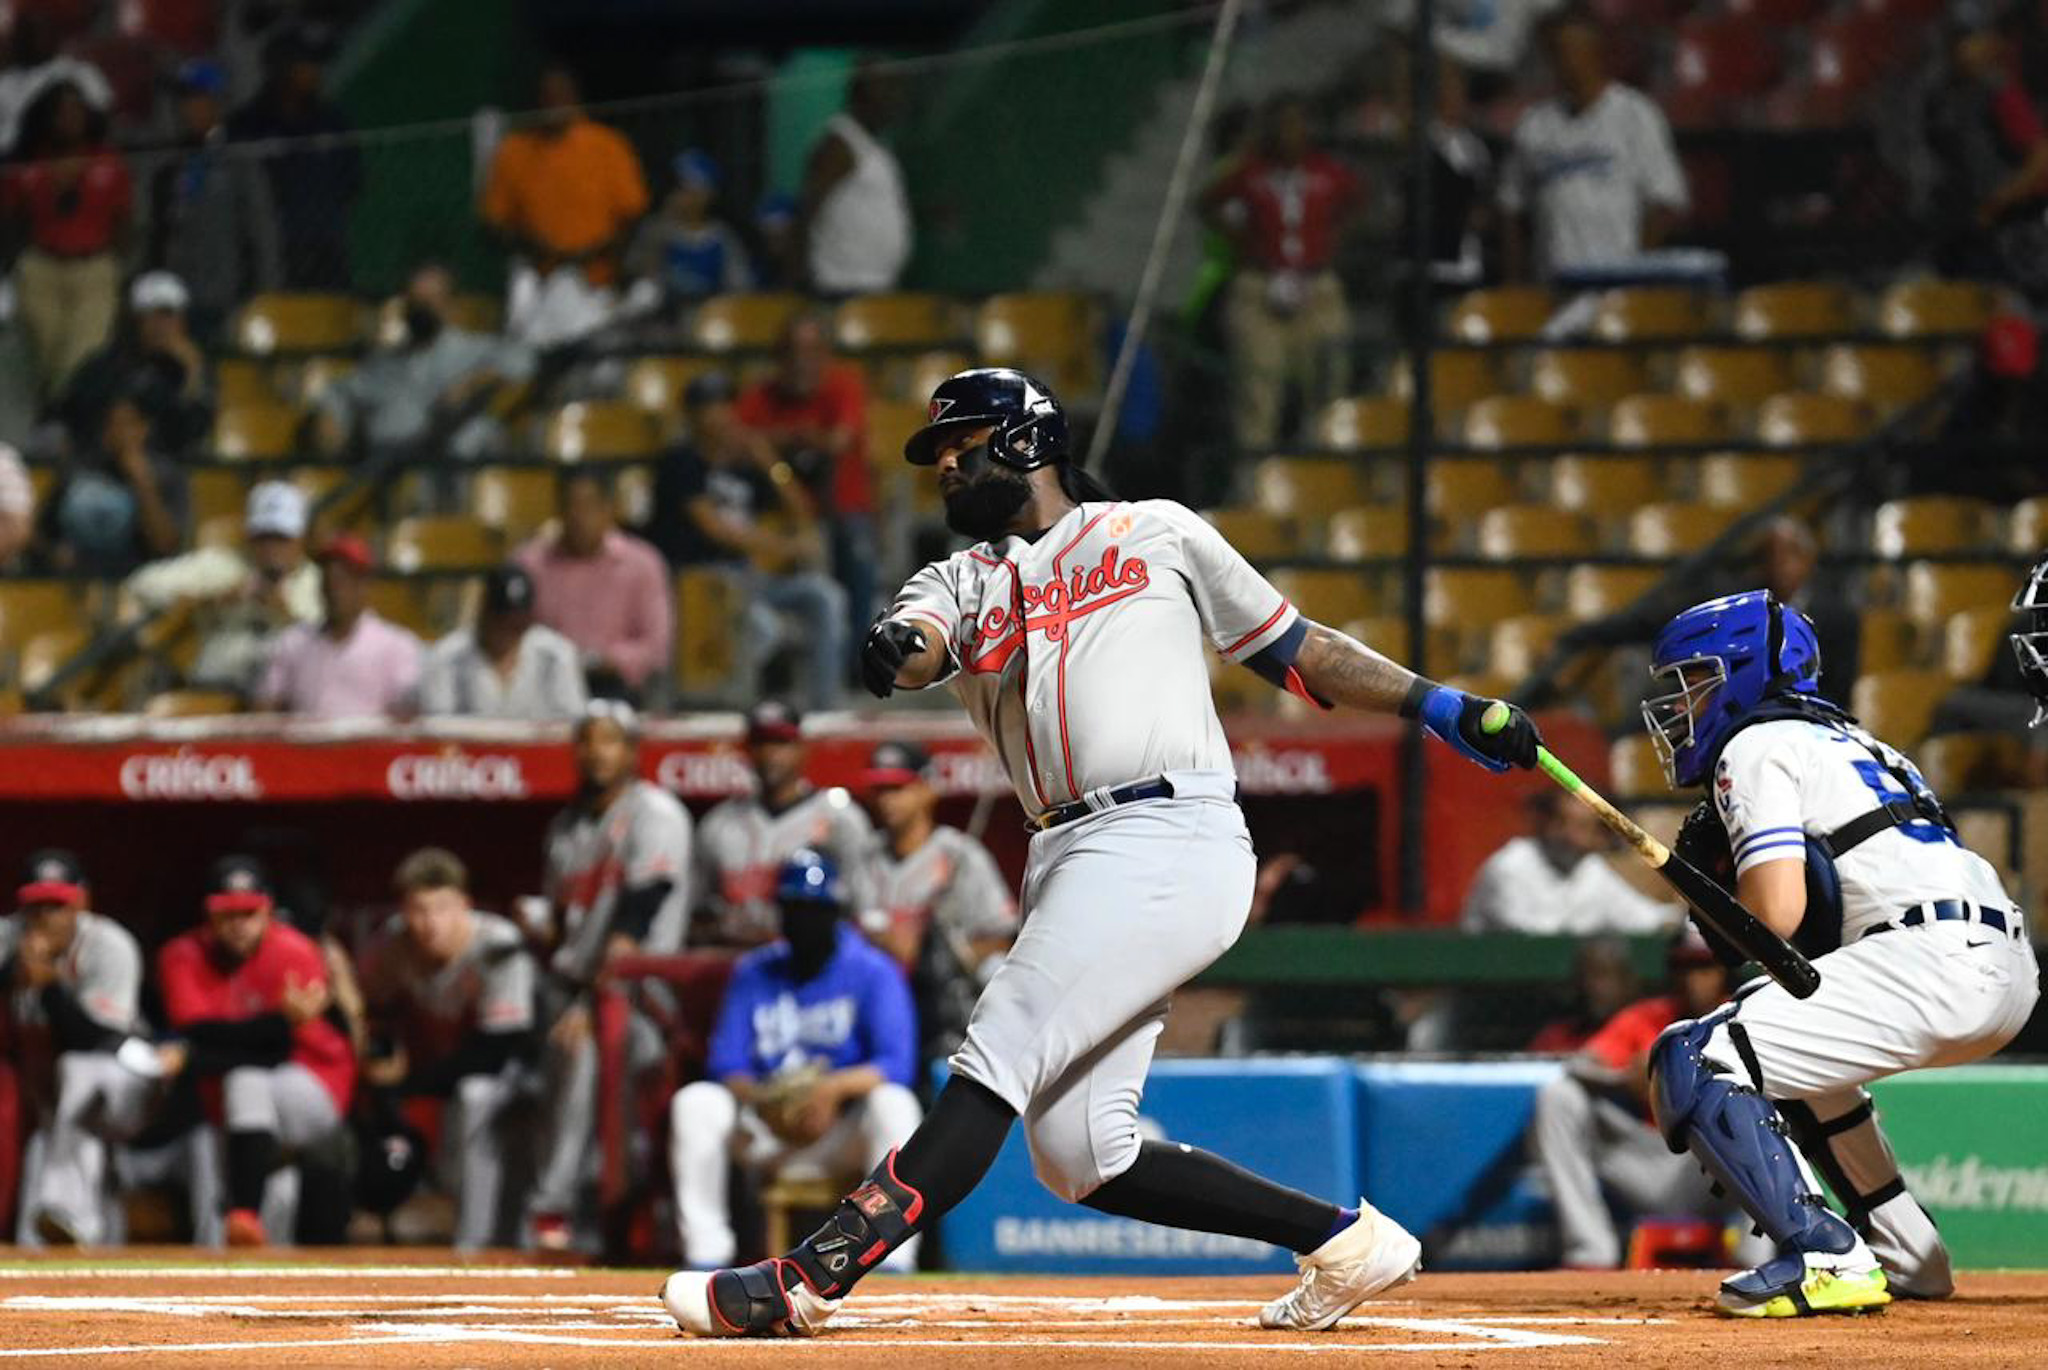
(744, 841)
(1072, 632)
(618, 864)
(450, 993)
(72, 979)
(940, 905)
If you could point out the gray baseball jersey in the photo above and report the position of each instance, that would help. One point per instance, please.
(643, 837)
(950, 884)
(1079, 655)
(488, 988)
(741, 846)
(103, 966)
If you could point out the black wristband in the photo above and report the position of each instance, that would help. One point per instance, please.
(1411, 706)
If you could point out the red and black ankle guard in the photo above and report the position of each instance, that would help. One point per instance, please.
(869, 1223)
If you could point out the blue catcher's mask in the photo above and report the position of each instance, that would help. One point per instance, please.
(1720, 660)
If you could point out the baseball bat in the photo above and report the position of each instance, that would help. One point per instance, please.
(1743, 929)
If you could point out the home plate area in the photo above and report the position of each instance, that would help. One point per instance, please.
(433, 1315)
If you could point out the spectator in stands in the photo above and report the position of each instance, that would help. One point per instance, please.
(17, 509)
(778, 256)
(118, 502)
(450, 994)
(317, 173)
(811, 1065)
(1603, 980)
(683, 249)
(73, 979)
(1787, 555)
(1460, 183)
(212, 220)
(854, 218)
(352, 664)
(938, 903)
(67, 204)
(727, 499)
(1289, 327)
(602, 588)
(1592, 1135)
(248, 996)
(430, 390)
(34, 66)
(1593, 168)
(814, 408)
(507, 665)
(241, 597)
(153, 358)
(1557, 880)
(563, 194)
(1985, 156)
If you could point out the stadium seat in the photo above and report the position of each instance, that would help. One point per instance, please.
(1601, 487)
(909, 319)
(1672, 530)
(1387, 634)
(191, 704)
(1937, 591)
(1259, 535)
(1884, 640)
(890, 424)
(1363, 421)
(598, 430)
(1932, 308)
(2026, 532)
(515, 500)
(1516, 646)
(1718, 63)
(477, 313)
(1800, 419)
(442, 542)
(656, 384)
(221, 530)
(256, 432)
(43, 653)
(1733, 480)
(1794, 309)
(1328, 595)
(1971, 638)
(1633, 768)
(1644, 312)
(1586, 377)
(1898, 705)
(1507, 314)
(1532, 530)
(270, 324)
(1053, 334)
(1930, 525)
(1365, 532)
(1456, 380)
(1517, 421)
(1484, 684)
(730, 323)
(1845, 57)
(1457, 489)
(214, 490)
(401, 601)
(1963, 763)
(1658, 420)
(1592, 592)
(912, 379)
(307, 381)
(707, 605)
(238, 380)
(1306, 487)
(1885, 378)
(1737, 377)
(1472, 597)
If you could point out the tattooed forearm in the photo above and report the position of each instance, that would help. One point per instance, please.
(1348, 673)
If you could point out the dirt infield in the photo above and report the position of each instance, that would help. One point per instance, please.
(423, 1313)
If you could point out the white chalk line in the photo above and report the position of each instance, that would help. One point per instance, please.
(301, 1272)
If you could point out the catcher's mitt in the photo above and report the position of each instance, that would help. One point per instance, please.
(784, 1093)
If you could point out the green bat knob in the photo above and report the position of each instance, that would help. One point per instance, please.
(1495, 718)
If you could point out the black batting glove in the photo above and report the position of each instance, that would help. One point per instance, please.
(888, 645)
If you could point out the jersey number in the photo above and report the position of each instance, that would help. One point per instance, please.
(1888, 791)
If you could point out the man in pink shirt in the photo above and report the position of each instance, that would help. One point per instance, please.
(352, 664)
(602, 588)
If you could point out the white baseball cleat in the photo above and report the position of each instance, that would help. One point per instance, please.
(1373, 1254)
(687, 1297)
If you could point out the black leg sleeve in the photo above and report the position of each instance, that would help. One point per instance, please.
(251, 1158)
(1175, 1185)
(955, 1145)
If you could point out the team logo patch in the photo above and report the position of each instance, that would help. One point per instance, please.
(870, 1200)
(1120, 526)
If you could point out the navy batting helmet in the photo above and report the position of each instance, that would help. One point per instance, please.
(809, 877)
(1030, 427)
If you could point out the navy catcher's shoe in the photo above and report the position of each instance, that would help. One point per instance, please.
(1802, 1284)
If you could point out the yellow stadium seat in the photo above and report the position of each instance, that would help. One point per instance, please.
(1473, 597)
(221, 530)
(1532, 530)
(1596, 591)
(309, 380)
(2027, 529)
(288, 322)
(907, 319)
(707, 605)
(1516, 646)
(1649, 312)
(1915, 309)
(1971, 638)
(1483, 684)
(1672, 530)
(1632, 766)
(656, 384)
(1260, 536)
(44, 652)
(1456, 380)
(1794, 309)
(237, 380)
(1507, 314)
(1885, 640)
(403, 602)
(1743, 480)
(1898, 705)
(1586, 377)
(1884, 378)
(1328, 595)
(1930, 525)
(1738, 377)
(516, 500)
(1363, 421)
(442, 542)
(1517, 421)
(1601, 487)
(1306, 487)
(1798, 419)
(256, 432)
(729, 323)
(912, 379)
(214, 491)
(1962, 763)
(1936, 591)
(1655, 420)
(890, 424)
(1052, 334)
(599, 430)
(191, 704)
(1458, 489)
(476, 313)
(1366, 531)
(1387, 634)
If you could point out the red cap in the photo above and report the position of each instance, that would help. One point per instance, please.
(52, 877)
(774, 721)
(349, 549)
(894, 763)
(2012, 347)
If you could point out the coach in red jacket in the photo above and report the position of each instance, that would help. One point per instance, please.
(248, 997)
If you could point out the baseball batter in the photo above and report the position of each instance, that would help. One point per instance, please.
(1072, 631)
(1837, 843)
(744, 841)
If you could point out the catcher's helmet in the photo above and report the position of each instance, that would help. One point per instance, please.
(1030, 427)
(809, 877)
(1720, 660)
(2030, 641)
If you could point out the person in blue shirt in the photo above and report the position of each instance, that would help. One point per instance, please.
(684, 248)
(810, 1066)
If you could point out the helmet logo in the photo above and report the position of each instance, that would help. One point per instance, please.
(940, 404)
(1036, 401)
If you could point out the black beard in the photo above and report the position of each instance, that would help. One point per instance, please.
(982, 509)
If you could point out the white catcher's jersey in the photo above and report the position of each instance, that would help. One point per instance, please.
(643, 837)
(741, 846)
(1078, 654)
(1782, 781)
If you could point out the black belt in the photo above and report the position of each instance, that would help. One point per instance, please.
(1159, 787)
(1956, 911)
